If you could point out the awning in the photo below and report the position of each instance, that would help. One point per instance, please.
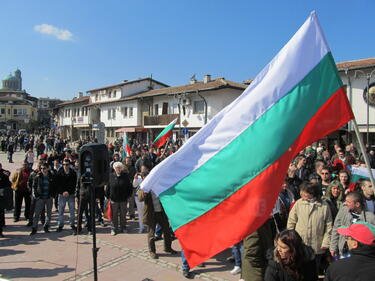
(131, 130)
(81, 125)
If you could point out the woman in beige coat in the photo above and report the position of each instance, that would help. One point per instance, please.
(312, 219)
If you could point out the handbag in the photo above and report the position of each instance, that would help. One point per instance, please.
(108, 210)
(16, 181)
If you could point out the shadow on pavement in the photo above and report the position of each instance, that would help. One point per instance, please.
(8, 252)
(28, 272)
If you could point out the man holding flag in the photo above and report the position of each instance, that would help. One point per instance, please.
(278, 115)
(162, 138)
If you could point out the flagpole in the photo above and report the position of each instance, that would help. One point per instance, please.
(364, 153)
(166, 146)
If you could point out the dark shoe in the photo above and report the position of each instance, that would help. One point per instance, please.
(33, 231)
(30, 223)
(1, 234)
(42, 221)
(59, 229)
(170, 251)
(74, 229)
(187, 274)
(157, 238)
(154, 255)
(201, 265)
(46, 230)
(16, 220)
(132, 217)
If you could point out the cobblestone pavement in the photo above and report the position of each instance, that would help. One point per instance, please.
(62, 256)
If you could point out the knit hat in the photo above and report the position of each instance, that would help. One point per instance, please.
(362, 232)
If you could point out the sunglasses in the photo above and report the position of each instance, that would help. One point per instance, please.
(66, 164)
(325, 173)
(44, 168)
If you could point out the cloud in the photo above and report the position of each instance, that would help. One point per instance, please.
(61, 34)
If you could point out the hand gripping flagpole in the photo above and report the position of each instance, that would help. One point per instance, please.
(364, 153)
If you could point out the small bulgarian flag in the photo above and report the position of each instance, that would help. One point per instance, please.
(161, 139)
(223, 183)
(358, 173)
(125, 147)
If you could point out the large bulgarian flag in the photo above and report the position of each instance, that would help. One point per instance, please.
(357, 174)
(223, 183)
(161, 139)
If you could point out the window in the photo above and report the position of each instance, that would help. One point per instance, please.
(165, 108)
(125, 111)
(114, 94)
(109, 114)
(15, 111)
(96, 97)
(198, 107)
(130, 111)
(114, 113)
(3, 111)
(156, 109)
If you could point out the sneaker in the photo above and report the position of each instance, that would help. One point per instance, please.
(154, 255)
(16, 220)
(59, 229)
(236, 270)
(30, 223)
(46, 230)
(186, 273)
(157, 238)
(1, 235)
(33, 231)
(113, 232)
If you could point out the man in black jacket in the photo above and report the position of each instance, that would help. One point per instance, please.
(66, 180)
(361, 264)
(43, 187)
(6, 199)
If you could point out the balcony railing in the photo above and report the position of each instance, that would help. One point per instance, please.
(160, 120)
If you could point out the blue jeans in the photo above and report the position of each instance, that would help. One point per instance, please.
(158, 231)
(237, 250)
(185, 265)
(62, 203)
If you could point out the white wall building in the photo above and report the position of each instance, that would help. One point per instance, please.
(142, 108)
(193, 104)
(355, 75)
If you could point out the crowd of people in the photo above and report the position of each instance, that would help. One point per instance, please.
(305, 233)
(315, 229)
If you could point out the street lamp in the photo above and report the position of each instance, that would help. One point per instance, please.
(368, 77)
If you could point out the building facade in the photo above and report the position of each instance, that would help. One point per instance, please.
(45, 111)
(17, 108)
(357, 75)
(143, 107)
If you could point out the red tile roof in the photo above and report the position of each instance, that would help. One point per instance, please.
(84, 99)
(190, 88)
(126, 83)
(354, 64)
